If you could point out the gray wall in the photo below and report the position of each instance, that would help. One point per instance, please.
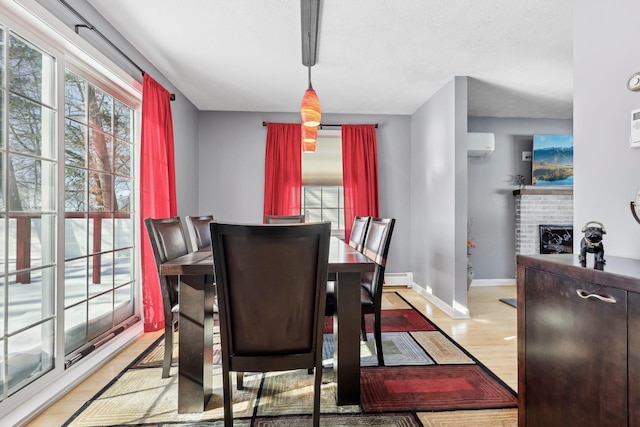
(231, 169)
(607, 172)
(439, 195)
(491, 209)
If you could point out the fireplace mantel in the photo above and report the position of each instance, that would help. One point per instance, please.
(537, 191)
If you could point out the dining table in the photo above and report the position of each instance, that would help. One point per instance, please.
(196, 323)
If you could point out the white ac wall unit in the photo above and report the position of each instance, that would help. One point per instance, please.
(480, 144)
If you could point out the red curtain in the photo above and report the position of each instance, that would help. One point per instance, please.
(157, 188)
(359, 173)
(283, 170)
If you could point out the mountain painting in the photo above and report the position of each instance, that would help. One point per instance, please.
(552, 160)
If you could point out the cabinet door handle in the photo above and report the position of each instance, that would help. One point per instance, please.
(586, 295)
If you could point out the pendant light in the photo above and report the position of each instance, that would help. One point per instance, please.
(309, 137)
(310, 110)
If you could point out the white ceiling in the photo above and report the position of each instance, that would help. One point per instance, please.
(374, 56)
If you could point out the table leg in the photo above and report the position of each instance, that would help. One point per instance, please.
(195, 332)
(346, 337)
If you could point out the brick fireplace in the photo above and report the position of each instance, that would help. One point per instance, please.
(540, 206)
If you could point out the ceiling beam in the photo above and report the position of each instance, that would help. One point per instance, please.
(310, 15)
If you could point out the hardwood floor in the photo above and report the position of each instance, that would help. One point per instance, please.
(489, 335)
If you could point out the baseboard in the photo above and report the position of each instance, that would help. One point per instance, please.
(453, 312)
(493, 282)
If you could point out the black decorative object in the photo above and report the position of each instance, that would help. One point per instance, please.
(592, 242)
(556, 239)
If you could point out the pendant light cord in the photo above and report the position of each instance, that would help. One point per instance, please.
(309, 59)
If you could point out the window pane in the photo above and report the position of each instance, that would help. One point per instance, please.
(75, 327)
(30, 71)
(100, 151)
(100, 192)
(74, 97)
(100, 271)
(2, 205)
(123, 232)
(330, 197)
(30, 354)
(123, 121)
(1, 55)
(100, 104)
(29, 303)
(2, 126)
(32, 127)
(123, 194)
(123, 272)
(75, 144)
(123, 158)
(100, 314)
(76, 228)
(124, 307)
(31, 240)
(31, 184)
(75, 281)
(75, 190)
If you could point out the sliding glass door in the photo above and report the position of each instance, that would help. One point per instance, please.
(67, 248)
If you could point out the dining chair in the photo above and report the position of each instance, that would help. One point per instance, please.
(271, 296)
(359, 232)
(284, 219)
(168, 242)
(376, 247)
(198, 228)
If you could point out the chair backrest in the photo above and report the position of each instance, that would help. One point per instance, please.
(198, 227)
(271, 283)
(359, 232)
(284, 219)
(376, 247)
(168, 242)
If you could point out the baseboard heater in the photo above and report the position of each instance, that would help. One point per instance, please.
(404, 280)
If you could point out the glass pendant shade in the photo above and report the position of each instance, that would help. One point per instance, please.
(309, 136)
(310, 110)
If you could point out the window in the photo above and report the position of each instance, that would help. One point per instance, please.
(66, 175)
(27, 211)
(322, 191)
(99, 272)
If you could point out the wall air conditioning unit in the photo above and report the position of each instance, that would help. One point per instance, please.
(480, 144)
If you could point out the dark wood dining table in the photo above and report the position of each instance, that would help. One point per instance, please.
(196, 324)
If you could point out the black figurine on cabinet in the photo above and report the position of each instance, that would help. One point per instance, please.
(592, 243)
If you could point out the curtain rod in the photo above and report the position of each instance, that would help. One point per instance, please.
(326, 125)
(87, 24)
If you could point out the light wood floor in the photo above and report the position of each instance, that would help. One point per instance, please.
(489, 335)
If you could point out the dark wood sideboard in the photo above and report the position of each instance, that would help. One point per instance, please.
(578, 341)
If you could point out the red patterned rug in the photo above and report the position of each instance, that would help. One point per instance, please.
(428, 380)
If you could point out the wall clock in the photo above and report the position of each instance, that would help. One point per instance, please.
(635, 207)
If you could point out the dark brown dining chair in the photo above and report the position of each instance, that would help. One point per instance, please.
(376, 247)
(168, 242)
(198, 228)
(257, 268)
(284, 219)
(359, 232)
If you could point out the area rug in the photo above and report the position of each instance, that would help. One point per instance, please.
(428, 380)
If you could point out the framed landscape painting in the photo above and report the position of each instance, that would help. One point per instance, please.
(552, 160)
